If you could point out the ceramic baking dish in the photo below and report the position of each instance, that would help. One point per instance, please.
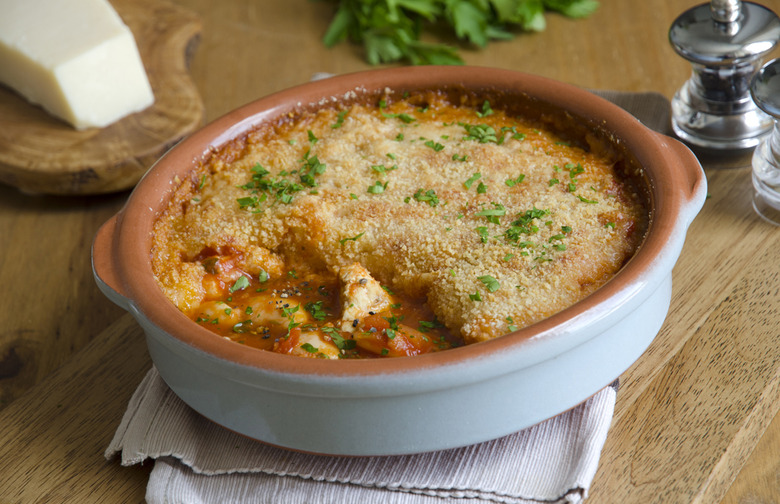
(429, 402)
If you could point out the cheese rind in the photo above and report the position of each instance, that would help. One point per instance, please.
(78, 60)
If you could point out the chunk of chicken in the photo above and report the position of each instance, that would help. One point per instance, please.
(362, 296)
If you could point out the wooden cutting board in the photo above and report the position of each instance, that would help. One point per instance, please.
(42, 154)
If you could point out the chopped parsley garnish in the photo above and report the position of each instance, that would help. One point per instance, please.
(339, 119)
(311, 167)
(250, 201)
(262, 185)
(310, 348)
(513, 130)
(557, 238)
(393, 321)
(391, 331)
(353, 238)
(482, 231)
(289, 313)
(383, 169)
(377, 187)
(492, 214)
(515, 181)
(491, 283)
(573, 169)
(486, 110)
(428, 196)
(406, 118)
(240, 284)
(340, 341)
(481, 133)
(470, 181)
(434, 145)
(315, 308)
(425, 326)
(524, 224)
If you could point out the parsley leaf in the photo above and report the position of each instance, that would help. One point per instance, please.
(467, 184)
(491, 283)
(377, 187)
(240, 284)
(492, 214)
(353, 238)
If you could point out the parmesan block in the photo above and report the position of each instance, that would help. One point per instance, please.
(75, 58)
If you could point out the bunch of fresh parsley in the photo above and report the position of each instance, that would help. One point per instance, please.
(390, 30)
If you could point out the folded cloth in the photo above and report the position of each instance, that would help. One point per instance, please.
(197, 461)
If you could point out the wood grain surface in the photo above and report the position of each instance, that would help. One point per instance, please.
(42, 154)
(696, 419)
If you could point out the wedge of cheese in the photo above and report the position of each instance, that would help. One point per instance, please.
(75, 58)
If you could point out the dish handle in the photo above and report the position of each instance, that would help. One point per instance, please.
(695, 187)
(103, 266)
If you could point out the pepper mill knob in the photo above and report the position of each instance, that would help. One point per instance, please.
(725, 42)
(765, 90)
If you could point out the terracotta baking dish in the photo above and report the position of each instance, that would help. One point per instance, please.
(429, 402)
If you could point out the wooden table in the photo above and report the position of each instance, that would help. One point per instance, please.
(696, 418)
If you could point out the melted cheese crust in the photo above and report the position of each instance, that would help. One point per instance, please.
(494, 220)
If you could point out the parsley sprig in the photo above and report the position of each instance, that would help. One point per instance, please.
(391, 30)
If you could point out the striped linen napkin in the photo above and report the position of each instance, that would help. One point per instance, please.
(197, 461)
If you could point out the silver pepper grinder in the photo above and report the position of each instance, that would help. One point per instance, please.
(766, 158)
(725, 42)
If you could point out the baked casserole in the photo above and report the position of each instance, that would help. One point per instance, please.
(396, 226)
